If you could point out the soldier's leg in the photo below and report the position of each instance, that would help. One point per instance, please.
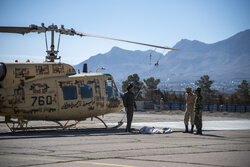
(198, 127)
(200, 122)
(192, 115)
(129, 119)
(192, 121)
(186, 118)
(127, 122)
(196, 121)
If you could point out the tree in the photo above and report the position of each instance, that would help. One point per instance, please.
(221, 99)
(138, 85)
(151, 86)
(233, 99)
(205, 84)
(243, 92)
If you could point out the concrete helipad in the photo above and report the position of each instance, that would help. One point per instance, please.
(207, 125)
(93, 146)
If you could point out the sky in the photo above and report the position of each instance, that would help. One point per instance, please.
(159, 22)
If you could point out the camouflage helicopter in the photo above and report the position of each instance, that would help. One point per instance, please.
(51, 91)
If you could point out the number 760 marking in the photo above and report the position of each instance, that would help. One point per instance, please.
(41, 100)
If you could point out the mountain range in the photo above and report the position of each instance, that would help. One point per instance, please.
(228, 60)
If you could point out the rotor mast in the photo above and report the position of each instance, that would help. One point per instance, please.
(52, 53)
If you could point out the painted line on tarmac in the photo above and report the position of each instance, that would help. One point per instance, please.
(103, 164)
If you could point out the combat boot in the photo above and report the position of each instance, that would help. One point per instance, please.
(186, 130)
(192, 129)
(198, 132)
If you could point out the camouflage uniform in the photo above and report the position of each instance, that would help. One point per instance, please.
(129, 103)
(198, 114)
(189, 113)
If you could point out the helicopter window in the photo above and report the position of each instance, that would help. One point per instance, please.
(111, 89)
(69, 92)
(86, 91)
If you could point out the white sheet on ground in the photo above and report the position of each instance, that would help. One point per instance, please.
(152, 130)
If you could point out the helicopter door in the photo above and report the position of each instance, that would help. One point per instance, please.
(112, 94)
(111, 89)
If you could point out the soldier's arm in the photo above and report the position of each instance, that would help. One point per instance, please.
(199, 103)
(125, 100)
(185, 96)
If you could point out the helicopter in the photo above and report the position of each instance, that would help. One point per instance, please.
(53, 91)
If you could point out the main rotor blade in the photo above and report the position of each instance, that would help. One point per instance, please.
(62, 30)
(19, 30)
(139, 43)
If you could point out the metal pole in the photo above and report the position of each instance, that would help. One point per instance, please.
(46, 41)
(58, 42)
(52, 42)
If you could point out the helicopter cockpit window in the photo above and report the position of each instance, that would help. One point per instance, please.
(69, 92)
(111, 89)
(86, 91)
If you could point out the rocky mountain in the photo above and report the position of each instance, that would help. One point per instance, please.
(224, 60)
(121, 63)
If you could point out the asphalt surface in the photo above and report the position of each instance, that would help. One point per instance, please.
(91, 145)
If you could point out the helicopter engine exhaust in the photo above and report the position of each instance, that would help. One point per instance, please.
(85, 68)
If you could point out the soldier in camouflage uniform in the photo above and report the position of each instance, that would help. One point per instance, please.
(198, 111)
(129, 104)
(189, 113)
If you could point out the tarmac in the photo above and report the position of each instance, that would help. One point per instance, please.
(225, 142)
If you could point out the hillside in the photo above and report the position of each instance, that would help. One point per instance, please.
(228, 59)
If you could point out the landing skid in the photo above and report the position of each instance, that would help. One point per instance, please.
(22, 125)
(117, 126)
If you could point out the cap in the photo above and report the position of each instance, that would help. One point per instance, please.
(130, 86)
(198, 89)
(188, 89)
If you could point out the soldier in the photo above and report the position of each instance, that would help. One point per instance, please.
(198, 111)
(129, 104)
(190, 100)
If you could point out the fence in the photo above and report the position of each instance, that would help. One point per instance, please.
(148, 105)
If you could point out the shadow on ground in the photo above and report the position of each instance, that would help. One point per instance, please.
(62, 133)
(79, 132)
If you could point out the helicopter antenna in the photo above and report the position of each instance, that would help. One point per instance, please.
(150, 58)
